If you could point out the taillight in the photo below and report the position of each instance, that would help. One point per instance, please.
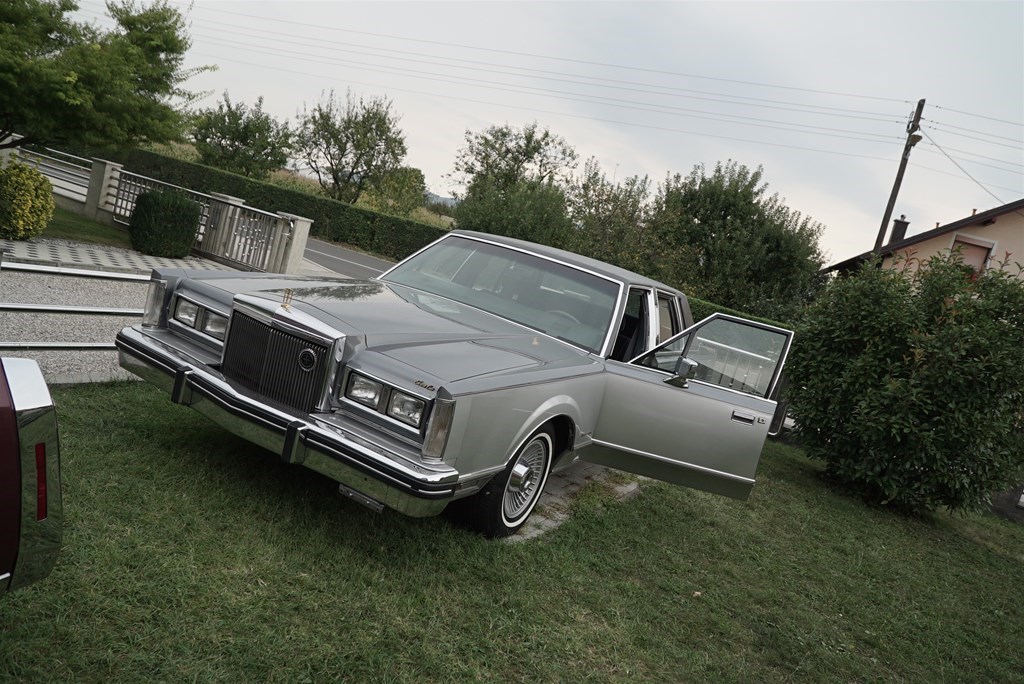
(41, 481)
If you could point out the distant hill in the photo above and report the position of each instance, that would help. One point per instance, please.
(437, 199)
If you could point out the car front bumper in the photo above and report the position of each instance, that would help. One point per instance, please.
(369, 472)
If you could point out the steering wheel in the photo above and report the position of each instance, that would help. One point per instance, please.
(565, 314)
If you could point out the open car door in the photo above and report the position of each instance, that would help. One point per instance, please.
(695, 410)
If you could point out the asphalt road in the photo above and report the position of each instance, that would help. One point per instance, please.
(345, 261)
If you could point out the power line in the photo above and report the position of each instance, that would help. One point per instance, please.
(598, 99)
(980, 116)
(561, 59)
(965, 172)
(573, 116)
(941, 125)
(957, 175)
(594, 80)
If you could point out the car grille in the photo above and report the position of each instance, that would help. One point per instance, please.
(283, 368)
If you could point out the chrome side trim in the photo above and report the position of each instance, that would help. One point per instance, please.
(679, 464)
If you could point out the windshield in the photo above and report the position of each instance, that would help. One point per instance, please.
(555, 299)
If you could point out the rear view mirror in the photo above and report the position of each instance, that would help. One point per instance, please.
(685, 370)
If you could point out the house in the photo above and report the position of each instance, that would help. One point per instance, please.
(983, 239)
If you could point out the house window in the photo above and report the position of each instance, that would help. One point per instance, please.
(974, 255)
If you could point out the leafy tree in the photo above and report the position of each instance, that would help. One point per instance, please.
(246, 141)
(66, 82)
(398, 192)
(723, 239)
(506, 156)
(351, 145)
(609, 219)
(529, 210)
(909, 384)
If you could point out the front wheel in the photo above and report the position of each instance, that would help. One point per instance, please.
(504, 504)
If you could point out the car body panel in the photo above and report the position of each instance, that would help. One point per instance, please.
(503, 378)
(37, 514)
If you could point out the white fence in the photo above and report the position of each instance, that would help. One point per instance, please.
(228, 231)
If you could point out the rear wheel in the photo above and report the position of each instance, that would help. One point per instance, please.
(504, 504)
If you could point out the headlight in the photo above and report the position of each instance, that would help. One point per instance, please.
(186, 312)
(154, 302)
(405, 408)
(214, 324)
(364, 390)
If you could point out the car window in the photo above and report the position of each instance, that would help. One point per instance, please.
(668, 318)
(551, 297)
(729, 353)
(631, 338)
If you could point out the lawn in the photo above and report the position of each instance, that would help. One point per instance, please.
(69, 226)
(189, 555)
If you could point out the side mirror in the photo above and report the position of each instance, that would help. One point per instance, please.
(685, 370)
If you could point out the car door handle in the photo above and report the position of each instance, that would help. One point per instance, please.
(744, 418)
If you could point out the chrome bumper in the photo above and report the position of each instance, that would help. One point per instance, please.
(382, 477)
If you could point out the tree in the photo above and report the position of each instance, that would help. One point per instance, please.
(246, 141)
(908, 383)
(531, 210)
(350, 146)
(507, 156)
(723, 239)
(609, 219)
(66, 82)
(398, 192)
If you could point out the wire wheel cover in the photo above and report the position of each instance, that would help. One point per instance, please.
(526, 478)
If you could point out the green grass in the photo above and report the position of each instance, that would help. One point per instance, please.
(190, 555)
(69, 226)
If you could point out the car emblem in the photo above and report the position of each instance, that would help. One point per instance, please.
(286, 299)
(307, 360)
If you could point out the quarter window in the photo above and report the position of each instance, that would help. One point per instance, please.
(668, 318)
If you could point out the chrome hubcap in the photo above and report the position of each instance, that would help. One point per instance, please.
(524, 482)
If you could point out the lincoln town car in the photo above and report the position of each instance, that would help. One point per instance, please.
(465, 374)
(31, 514)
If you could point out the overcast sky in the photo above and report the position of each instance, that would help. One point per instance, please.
(818, 93)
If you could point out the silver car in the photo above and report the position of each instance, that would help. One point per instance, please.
(465, 374)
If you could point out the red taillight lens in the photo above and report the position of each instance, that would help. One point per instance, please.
(41, 481)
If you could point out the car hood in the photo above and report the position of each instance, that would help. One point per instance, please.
(446, 339)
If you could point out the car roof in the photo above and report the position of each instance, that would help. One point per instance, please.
(573, 259)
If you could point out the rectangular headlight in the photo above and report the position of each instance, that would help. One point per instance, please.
(186, 312)
(405, 408)
(154, 302)
(214, 324)
(364, 390)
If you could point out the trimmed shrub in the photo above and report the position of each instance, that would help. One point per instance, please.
(164, 224)
(26, 202)
(389, 236)
(909, 384)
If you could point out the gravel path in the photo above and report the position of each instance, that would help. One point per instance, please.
(63, 367)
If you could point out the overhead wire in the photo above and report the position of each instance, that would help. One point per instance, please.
(943, 125)
(980, 116)
(962, 169)
(562, 59)
(601, 99)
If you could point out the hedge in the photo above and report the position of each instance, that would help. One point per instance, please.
(389, 236)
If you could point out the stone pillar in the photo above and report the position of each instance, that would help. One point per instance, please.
(292, 260)
(8, 153)
(102, 185)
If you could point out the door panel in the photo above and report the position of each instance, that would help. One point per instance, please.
(704, 432)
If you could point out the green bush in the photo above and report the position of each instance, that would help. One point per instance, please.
(26, 202)
(389, 236)
(164, 224)
(909, 384)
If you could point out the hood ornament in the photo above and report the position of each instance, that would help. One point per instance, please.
(286, 299)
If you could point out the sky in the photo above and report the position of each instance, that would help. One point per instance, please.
(818, 94)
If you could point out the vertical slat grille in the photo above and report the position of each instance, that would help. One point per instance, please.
(271, 362)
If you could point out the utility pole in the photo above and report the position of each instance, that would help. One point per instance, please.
(912, 139)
